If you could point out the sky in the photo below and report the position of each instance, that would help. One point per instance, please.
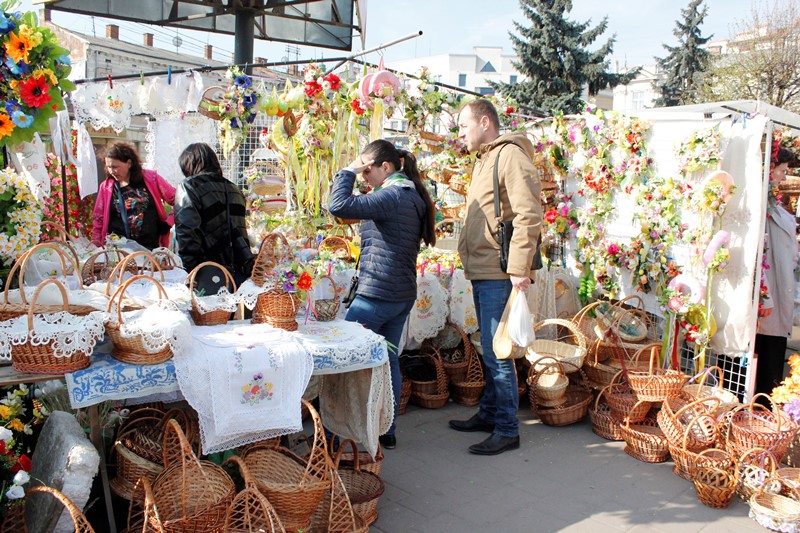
(455, 26)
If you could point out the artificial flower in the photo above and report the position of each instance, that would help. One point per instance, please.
(6, 24)
(244, 81)
(21, 120)
(6, 125)
(18, 46)
(34, 91)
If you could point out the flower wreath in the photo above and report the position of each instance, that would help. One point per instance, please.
(20, 216)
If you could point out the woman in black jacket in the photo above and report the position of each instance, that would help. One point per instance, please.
(210, 218)
(396, 216)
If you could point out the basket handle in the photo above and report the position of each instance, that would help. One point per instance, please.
(119, 293)
(87, 272)
(768, 461)
(340, 452)
(335, 243)
(534, 372)
(584, 312)
(333, 283)
(441, 375)
(474, 367)
(618, 320)
(130, 260)
(318, 459)
(697, 402)
(600, 395)
(266, 259)
(22, 264)
(78, 519)
(576, 332)
(35, 297)
(249, 480)
(703, 376)
(753, 406)
(143, 492)
(690, 425)
(228, 278)
(627, 419)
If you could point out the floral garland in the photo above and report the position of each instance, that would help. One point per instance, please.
(34, 73)
(238, 110)
(561, 220)
(700, 151)
(20, 216)
(14, 464)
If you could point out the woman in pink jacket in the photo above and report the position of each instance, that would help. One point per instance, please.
(130, 202)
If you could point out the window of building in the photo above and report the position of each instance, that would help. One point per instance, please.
(637, 100)
(512, 79)
(484, 90)
(488, 67)
(462, 80)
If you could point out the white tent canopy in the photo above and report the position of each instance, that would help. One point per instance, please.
(717, 110)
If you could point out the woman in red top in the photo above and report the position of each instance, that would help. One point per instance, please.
(130, 202)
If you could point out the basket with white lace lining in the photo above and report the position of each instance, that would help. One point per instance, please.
(52, 343)
(212, 309)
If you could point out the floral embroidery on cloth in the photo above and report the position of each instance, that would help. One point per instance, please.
(256, 390)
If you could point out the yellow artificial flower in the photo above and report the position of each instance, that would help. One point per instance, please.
(19, 45)
(6, 125)
(16, 425)
(5, 411)
(48, 74)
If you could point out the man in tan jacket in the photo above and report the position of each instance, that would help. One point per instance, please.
(519, 188)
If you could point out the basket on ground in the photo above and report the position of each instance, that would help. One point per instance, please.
(295, 487)
(363, 488)
(656, 384)
(250, 510)
(753, 469)
(431, 394)
(772, 509)
(547, 383)
(603, 423)
(687, 462)
(468, 391)
(622, 400)
(754, 426)
(714, 487)
(685, 421)
(697, 388)
(574, 409)
(645, 441)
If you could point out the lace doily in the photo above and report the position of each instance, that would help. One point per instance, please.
(168, 98)
(245, 383)
(104, 107)
(429, 313)
(70, 334)
(166, 139)
(159, 325)
(50, 295)
(176, 259)
(340, 345)
(462, 305)
(222, 301)
(143, 293)
(248, 292)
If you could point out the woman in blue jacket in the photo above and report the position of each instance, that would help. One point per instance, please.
(396, 215)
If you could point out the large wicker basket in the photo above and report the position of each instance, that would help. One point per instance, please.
(363, 487)
(574, 409)
(645, 441)
(622, 400)
(189, 495)
(572, 354)
(683, 418)
(132, 349)
(770, 508)
(37, 358)
(754, 426)
(100, 265)
(603, 423)
(431, 394)
(656, 384)
(697, 388)
(687, 462)
(295, 487)
(215, 317)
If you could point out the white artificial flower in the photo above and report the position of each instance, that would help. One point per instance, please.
(5, 434)
(15, 492)
(21, 477)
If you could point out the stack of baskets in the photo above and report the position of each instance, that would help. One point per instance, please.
(547, 383)
(576, 402)
(250, 510)
(562, 349)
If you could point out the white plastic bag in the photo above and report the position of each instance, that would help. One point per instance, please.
(503, 345)
(520, 322)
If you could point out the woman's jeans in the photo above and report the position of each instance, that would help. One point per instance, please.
(384, 318)
(500, 399)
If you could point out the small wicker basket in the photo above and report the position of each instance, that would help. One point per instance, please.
(656, 384)
(215, 317)
(95, 269)
(338, 246)
(468, 390)
(79, 521)
(573, 355)
(326, 309)
(699, 389)
(714, 487)
(132, 349)
(685, 421)
(431, 394)
(603, 423)
(363, 487)
(754, 426)
(574, 409)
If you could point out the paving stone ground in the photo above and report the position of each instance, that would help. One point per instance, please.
(561, 479)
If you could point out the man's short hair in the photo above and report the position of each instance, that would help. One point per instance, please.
(482, 107)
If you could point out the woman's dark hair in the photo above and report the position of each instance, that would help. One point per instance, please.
(784, 156)
(405, 162)
(199, 158)
(122, 151)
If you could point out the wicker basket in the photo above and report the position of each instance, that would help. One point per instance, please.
(41, 358)
(335, 514)
(603, 423)
(622, 401)
(164, 258)
(468, 391)
(457, 184)
(250, 510)
(274, 249)
(431, 394)
(295, 487)
(367, 463)
(547, 383)
(150, 266)
(572, 354)
(405, 396)
(327, 309)
(456, 364)
(277, 308)
(599, 373)
(189, 495)
(363, 488)
(684, 421)
(619, 324)
(714, 487)
(96, 270)
(754, 426)
(753, 469)
(79, 521)
(217, 317)
(211, 103)
(772, 509)
(574, 409)
(454, 211)
(585, 321)
(687, 462)
(338, 246)
(645, 441)
(132, 349)
(656, 384)
(699, 389)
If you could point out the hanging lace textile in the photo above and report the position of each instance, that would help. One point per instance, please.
(167, 138)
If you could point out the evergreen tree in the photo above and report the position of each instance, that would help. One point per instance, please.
(552, 53)
(685, 64)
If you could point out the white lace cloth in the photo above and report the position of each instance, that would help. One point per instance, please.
(70, 334)
(429, 314)
(169, 97)
(144, 293)
(255, 395)
(159, 325)
(462, 305)
(166, 139)
(248, 292)
(222, 301)
(339, 344)
(103, 106)
(50, 295)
